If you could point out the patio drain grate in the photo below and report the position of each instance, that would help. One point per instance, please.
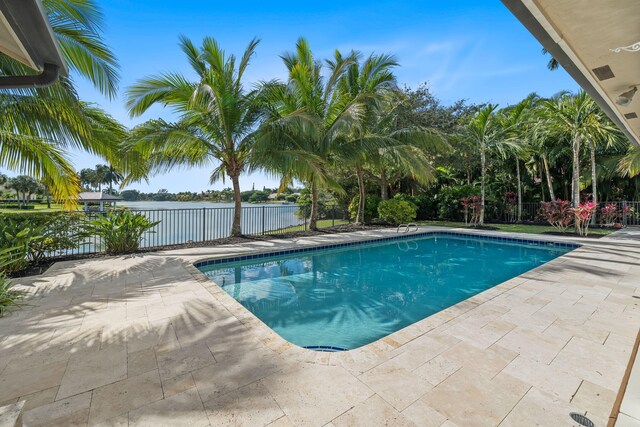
(581, 419)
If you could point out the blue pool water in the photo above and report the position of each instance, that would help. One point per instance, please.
(350, 296)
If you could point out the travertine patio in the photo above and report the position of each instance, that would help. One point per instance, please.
(147, 340)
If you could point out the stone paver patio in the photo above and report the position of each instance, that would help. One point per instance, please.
(148, 340)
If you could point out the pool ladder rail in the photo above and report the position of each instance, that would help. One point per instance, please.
(406, 228)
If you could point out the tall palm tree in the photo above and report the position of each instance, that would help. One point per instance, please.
(486, 132)
(304, 118)
(368, 83)
(378, 137)
(604, 134)
(217, 117)
(37, 126)
(113, 176)
(574, 117)
(518, 119)
(101, 172)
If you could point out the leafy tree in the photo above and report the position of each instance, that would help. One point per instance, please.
(217, 117)
(130, 195)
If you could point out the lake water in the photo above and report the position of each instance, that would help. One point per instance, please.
(185, 222)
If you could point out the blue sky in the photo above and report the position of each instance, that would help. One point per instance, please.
(474, 50)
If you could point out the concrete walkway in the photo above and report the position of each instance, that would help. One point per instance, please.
(148, 340)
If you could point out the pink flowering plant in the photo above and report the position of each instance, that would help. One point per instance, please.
(472, 205)
(558, 214)
(583, 214)
(510, 202)
(609, 214)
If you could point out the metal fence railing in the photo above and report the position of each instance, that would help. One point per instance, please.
(197, 225)
(628, 212)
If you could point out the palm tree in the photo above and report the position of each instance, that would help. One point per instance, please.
(386, 144)
(26, 185)
(629, 165)
(38, 125)
(113, 177)
(100, 174)
(574, 117)
(518, 120)
(304, 118)
(367, 83)
(217, 117)
(553, 63)
(88, 178)
(487, 134)
(603, 134)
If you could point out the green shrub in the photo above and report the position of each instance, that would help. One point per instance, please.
(119, 232)
(425, 204)
(21, 207)
(9, 297)
(449, 206)
(397, 211)
(371, 203)
(39, 235)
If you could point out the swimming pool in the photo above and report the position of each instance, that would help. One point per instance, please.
(346, 296)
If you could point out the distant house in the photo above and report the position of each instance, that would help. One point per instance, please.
(273, 196)
(97, 198)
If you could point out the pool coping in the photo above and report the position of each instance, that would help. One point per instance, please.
(268, 254)
(390, 342)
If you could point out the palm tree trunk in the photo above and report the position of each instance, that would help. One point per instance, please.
(313, 220)
(552, 195)
(594, 184)
(237, 207)
(384, 185)
(362, 196)
(519, 190)
(483, 167)
(575, 176)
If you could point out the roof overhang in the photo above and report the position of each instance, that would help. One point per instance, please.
(597, 43)
(26, 36)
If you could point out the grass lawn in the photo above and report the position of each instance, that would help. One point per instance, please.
(38, 208)
(517, 228)
(323, 223)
